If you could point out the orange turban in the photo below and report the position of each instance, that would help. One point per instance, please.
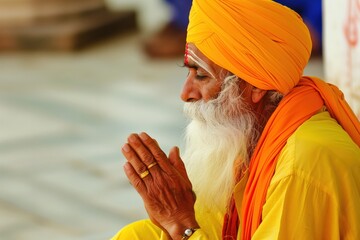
(267, 45)
(259, 41)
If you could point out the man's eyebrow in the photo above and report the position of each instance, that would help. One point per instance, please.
(191, 65)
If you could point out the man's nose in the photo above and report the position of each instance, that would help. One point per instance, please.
(190, 93)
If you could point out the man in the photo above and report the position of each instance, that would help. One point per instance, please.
(270, 154)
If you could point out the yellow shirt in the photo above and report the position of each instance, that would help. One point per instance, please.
(314, 193)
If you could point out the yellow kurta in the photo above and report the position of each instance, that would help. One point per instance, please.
(314, 193)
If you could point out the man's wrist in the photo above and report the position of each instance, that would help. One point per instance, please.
(183, 231)
(188, 232)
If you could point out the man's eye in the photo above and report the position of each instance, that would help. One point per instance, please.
(200, 77)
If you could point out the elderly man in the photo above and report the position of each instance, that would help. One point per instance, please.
(270, 154)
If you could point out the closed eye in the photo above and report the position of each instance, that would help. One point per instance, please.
(201, 74)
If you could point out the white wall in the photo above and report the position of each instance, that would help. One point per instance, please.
(342, 48)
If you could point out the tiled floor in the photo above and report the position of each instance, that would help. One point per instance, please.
(64, 117)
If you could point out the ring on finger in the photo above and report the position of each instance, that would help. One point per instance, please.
(144, 174)
(151, 165)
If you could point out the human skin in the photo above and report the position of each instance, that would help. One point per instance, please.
(166, 190)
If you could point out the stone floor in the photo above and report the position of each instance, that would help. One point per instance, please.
(63, 119)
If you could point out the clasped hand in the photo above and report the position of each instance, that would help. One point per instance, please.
(162, 182)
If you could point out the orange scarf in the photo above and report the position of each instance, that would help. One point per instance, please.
(299, 105)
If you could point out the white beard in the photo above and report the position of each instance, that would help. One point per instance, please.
(221, 131)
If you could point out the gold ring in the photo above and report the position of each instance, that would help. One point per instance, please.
(152, 164)
(144, 174)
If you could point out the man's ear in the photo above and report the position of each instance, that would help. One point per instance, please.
(257, 94)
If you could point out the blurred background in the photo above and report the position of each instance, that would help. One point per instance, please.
(75, 81)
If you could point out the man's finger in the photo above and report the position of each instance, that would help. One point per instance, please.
(156, 151)
(175, 160)
(141, 150)
(137, 165)
(134, 178)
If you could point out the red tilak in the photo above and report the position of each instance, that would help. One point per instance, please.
(186, 55)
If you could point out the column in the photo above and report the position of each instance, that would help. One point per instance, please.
(342, 48)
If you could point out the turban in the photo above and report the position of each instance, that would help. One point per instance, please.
(259, 41)
(268, 45)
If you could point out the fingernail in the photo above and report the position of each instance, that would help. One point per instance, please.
(132, 138)
(126, 148)
(126, 166)
(144, 136)
(177, 150)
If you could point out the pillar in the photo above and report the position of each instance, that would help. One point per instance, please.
(342, 48)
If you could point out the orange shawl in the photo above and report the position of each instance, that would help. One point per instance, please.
(267, 45)
(309, 95)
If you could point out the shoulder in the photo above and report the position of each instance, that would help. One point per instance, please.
(315, 186)
(318, 145)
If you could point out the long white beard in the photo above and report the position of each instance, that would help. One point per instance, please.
(221, 131)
